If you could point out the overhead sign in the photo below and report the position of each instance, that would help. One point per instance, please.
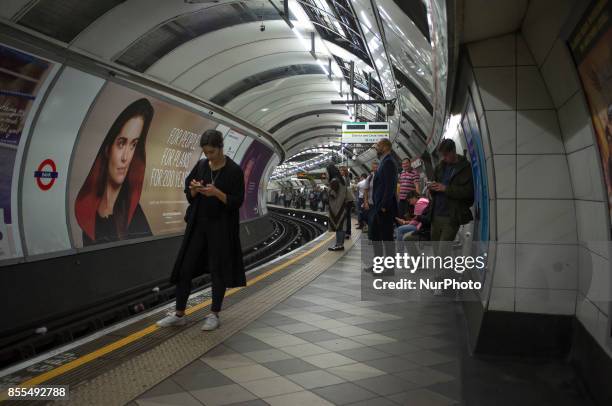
(364, 133)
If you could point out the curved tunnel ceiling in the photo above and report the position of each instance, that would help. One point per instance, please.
(216, 51)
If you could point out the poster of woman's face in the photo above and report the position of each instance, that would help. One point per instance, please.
(130, 161)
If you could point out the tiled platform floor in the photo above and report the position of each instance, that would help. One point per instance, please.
(324, 346)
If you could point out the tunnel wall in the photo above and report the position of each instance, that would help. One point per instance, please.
(51, 145)
(550, 204)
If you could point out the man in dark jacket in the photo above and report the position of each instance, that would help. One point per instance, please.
(383, 211)
(452, 193)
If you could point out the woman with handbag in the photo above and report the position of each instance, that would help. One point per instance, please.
(338, 198)
(215, 191)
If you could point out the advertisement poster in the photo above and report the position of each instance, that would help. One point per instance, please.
(590, 47)
(129, 165)
(21, 77)
(232, 142)
(476, 154)
(253, 164)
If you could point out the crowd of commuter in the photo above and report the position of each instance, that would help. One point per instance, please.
(403, 206)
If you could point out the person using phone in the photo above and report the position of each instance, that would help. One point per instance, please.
(215, 191)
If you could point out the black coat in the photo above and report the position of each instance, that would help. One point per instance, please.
(459, 191)
(224, 251)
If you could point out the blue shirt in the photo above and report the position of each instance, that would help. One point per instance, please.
(441, 202)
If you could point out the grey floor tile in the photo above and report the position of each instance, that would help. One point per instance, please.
(431, 342)
(392, 364)
(364, 354)
(267, 355)
(424, 376)
(243, 346)
(397, 348)
(339, 344)
(385, 385)
(328, 360)
(167, 392)
(344, 393)
(356, 371)
(196, 367)
(223, 395)
(427, 358)
(375, 402)
(297, 328)
(451, 368)
(315, 379)
(316, 336)
(202, 380)
(335, 314)
(255, 402)
(290, 366)
(274, 386)
(450, 389)
(422, 397)
(303, 398)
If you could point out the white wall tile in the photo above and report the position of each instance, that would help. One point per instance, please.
(560, 74)
(505, 175)
(576, 124)
(523, 54)
(531, 89)
(491, 178)
(538, 132)
(546, 220)
(603, 333)
(497, 87)
(502, 131)
(497, 51)
(586, 313)
(547, 266)
(502, 299)
(492, 217)
(543, 176)
(542, 24)
(484, 133)
(585, 172)
(547, 301)
(504, 273)
(506, 227)
(594, 278)
(476, 97)
(592, 226)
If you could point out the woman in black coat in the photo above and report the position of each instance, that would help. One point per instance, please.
(215, 191)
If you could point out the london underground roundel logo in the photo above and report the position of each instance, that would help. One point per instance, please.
(46, 174)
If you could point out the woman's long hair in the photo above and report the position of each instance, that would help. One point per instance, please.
(93, 188)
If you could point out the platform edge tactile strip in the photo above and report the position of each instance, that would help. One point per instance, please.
(136, 375)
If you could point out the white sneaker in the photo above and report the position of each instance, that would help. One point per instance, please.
(171, 320)
(211, 322)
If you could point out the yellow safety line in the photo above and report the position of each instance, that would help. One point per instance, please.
(152, 328)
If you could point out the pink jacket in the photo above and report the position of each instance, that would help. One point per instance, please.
(419, 207)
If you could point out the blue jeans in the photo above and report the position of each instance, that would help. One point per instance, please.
(403, 230)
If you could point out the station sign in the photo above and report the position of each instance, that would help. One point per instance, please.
(364, 133)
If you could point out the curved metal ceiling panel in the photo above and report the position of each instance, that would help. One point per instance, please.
(270, 91)
(124, 24)
(157, 43)
(288, 109)
(250, 82)
(184, 57)
(282, 50)
(307, 122)
(259, 109)
(293, 118)
(327, 128)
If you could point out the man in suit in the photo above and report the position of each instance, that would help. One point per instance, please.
(382, 214)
